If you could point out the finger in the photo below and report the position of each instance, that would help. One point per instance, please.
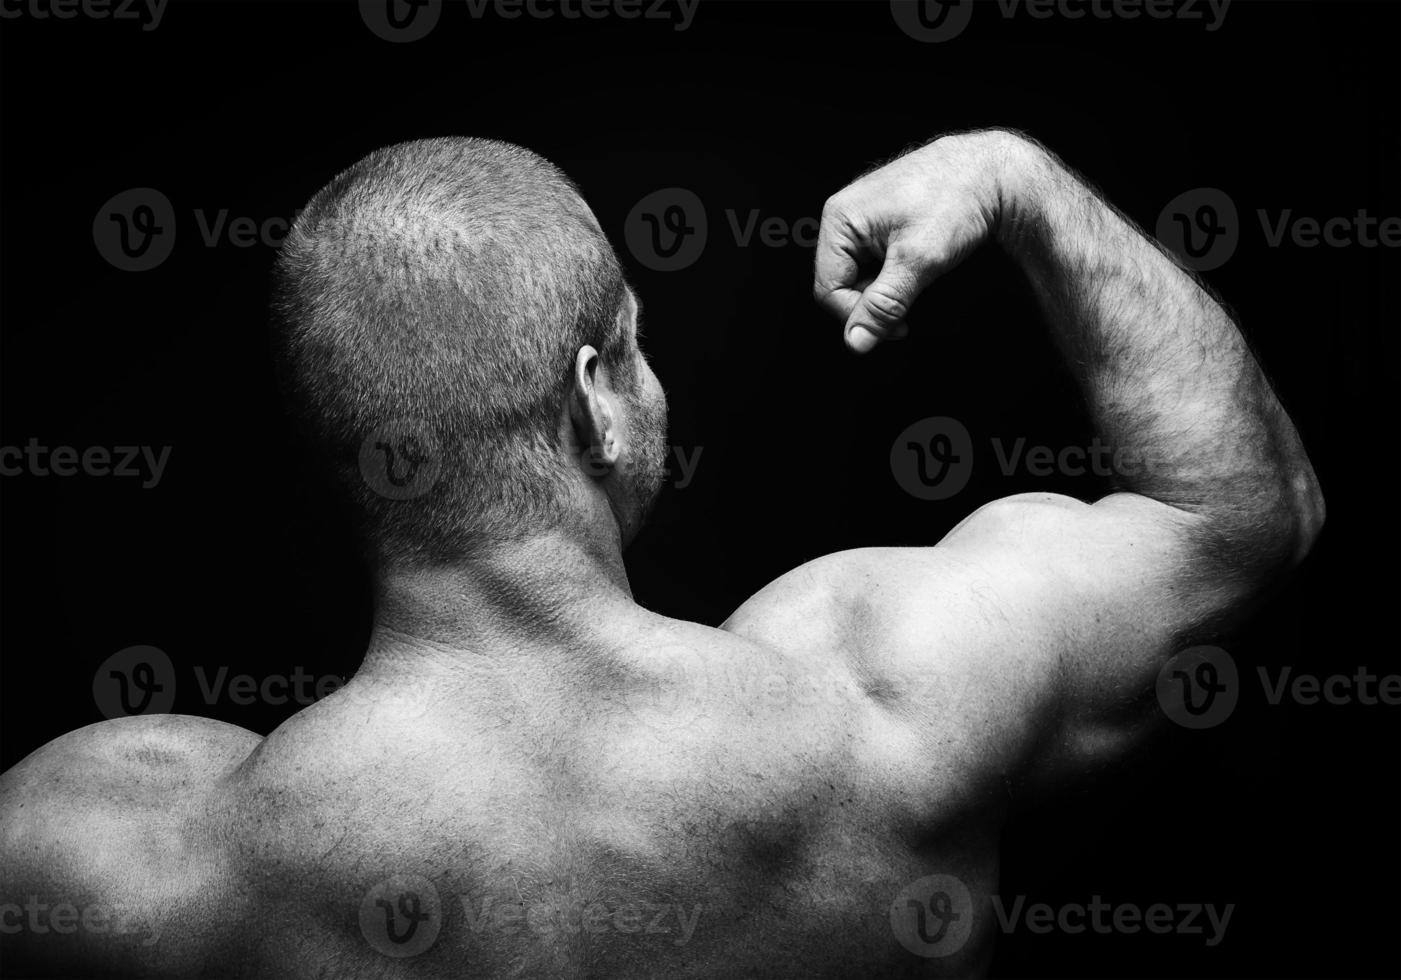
(880, 313)
(861, 340)
(841, 302)
(837, 267)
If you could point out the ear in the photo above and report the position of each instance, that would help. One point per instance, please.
(591, 410)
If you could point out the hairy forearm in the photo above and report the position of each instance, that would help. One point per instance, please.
(1169, 380)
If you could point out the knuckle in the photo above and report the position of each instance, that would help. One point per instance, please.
(904, 253)
(885, 305)
(834, 208)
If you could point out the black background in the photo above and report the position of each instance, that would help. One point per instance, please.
(1289, 811)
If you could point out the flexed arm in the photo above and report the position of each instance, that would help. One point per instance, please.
(1220, 498)
(1167, 376)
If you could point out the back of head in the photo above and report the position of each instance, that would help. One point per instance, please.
(430, 301)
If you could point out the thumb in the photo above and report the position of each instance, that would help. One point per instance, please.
(879, 315)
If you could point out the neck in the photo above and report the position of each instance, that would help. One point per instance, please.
(550, 594)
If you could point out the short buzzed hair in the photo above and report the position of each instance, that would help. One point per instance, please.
(437, 293)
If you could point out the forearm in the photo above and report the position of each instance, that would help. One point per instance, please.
(1170, 383)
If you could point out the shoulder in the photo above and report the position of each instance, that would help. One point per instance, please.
(845, 583)
(843, 596)
(949, 631)
(145, 755)
(803, 599)
(116, 824)
(1020, 578)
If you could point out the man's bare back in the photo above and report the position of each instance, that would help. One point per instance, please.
(711, 804)
(548, 780)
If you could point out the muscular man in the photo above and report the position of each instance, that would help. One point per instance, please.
(531, 775)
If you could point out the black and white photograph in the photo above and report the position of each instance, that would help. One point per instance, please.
(700, 489)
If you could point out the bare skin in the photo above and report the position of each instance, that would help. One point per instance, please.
(557, 782)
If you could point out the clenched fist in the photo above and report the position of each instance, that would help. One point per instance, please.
(892, 232)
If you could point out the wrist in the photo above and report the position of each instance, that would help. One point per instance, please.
(1020, 168)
